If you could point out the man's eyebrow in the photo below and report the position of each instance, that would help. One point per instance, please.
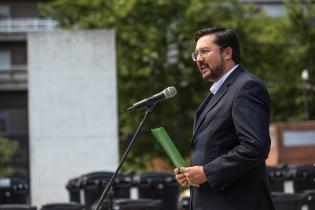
(203, 48)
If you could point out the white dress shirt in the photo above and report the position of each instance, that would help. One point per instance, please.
(216, 86)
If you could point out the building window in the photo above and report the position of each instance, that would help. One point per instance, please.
(5, 60)
(4, 11)
(3, 120)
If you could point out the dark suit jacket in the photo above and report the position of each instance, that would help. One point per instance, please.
(231, 141)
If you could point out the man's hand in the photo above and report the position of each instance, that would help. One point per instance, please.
(190, 175)
(180, 177)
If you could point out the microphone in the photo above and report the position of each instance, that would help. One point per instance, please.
(166, 93)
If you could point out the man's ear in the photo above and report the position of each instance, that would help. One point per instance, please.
(228, 53)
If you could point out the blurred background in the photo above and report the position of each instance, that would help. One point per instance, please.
(69, 70)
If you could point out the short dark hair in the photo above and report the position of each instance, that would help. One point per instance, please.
(224, 38)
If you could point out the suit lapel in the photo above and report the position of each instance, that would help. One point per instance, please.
(214, 100)
(200, 109)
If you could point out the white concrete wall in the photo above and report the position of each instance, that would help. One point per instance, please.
(72, 109)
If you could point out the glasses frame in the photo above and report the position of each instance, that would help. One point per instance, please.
(202, 52)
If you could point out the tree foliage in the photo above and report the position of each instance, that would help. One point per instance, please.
(7, 149)
(154, 43)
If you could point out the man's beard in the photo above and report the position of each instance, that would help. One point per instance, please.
(216, 71)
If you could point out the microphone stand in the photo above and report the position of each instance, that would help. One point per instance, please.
(109, 188)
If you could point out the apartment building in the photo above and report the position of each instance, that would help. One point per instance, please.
(17, 18)
(55, 108)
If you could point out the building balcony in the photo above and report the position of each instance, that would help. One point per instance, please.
(13, 77)
(26, 25)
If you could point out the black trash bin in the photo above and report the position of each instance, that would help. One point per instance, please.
(159, 186)
(122, 185)
(74, 187)
(13, 191)
(93, 185)
(303, 177)
(277, 176)
(17, 207)
(62, 206)
(288, 201)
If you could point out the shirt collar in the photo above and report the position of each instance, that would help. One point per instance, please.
(216, 86)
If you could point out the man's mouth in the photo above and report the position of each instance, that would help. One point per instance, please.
(203, 66)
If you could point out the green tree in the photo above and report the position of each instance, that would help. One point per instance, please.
(300, 55)
(7, 149)
(154, 43)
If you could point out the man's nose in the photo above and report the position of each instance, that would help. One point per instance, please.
(199, 57)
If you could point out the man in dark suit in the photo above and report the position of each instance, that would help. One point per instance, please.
(231, 131)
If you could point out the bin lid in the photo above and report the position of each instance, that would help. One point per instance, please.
(281, 196)
(62, 206)
(95, 178)
(306, 170)
(132, 203)
(137, 203)
(17, 207)
(309, 195)
(73, 183)
(5, 183)
(157, 177)
(278, 171)
(13, 183)
(101, 178)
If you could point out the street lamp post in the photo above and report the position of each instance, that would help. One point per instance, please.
(305, 78)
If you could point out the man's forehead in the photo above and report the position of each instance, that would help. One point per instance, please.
(205, 41)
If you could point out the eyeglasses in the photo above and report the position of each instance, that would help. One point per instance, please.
(202, 52)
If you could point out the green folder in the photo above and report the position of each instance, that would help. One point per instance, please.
(170, 148)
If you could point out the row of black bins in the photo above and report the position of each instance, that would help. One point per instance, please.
(301, 176)
(13, 190)
(281, 201)
(156, 190)
(294, 201)
(118, 204)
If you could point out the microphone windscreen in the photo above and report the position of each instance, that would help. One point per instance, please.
(170, 92)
